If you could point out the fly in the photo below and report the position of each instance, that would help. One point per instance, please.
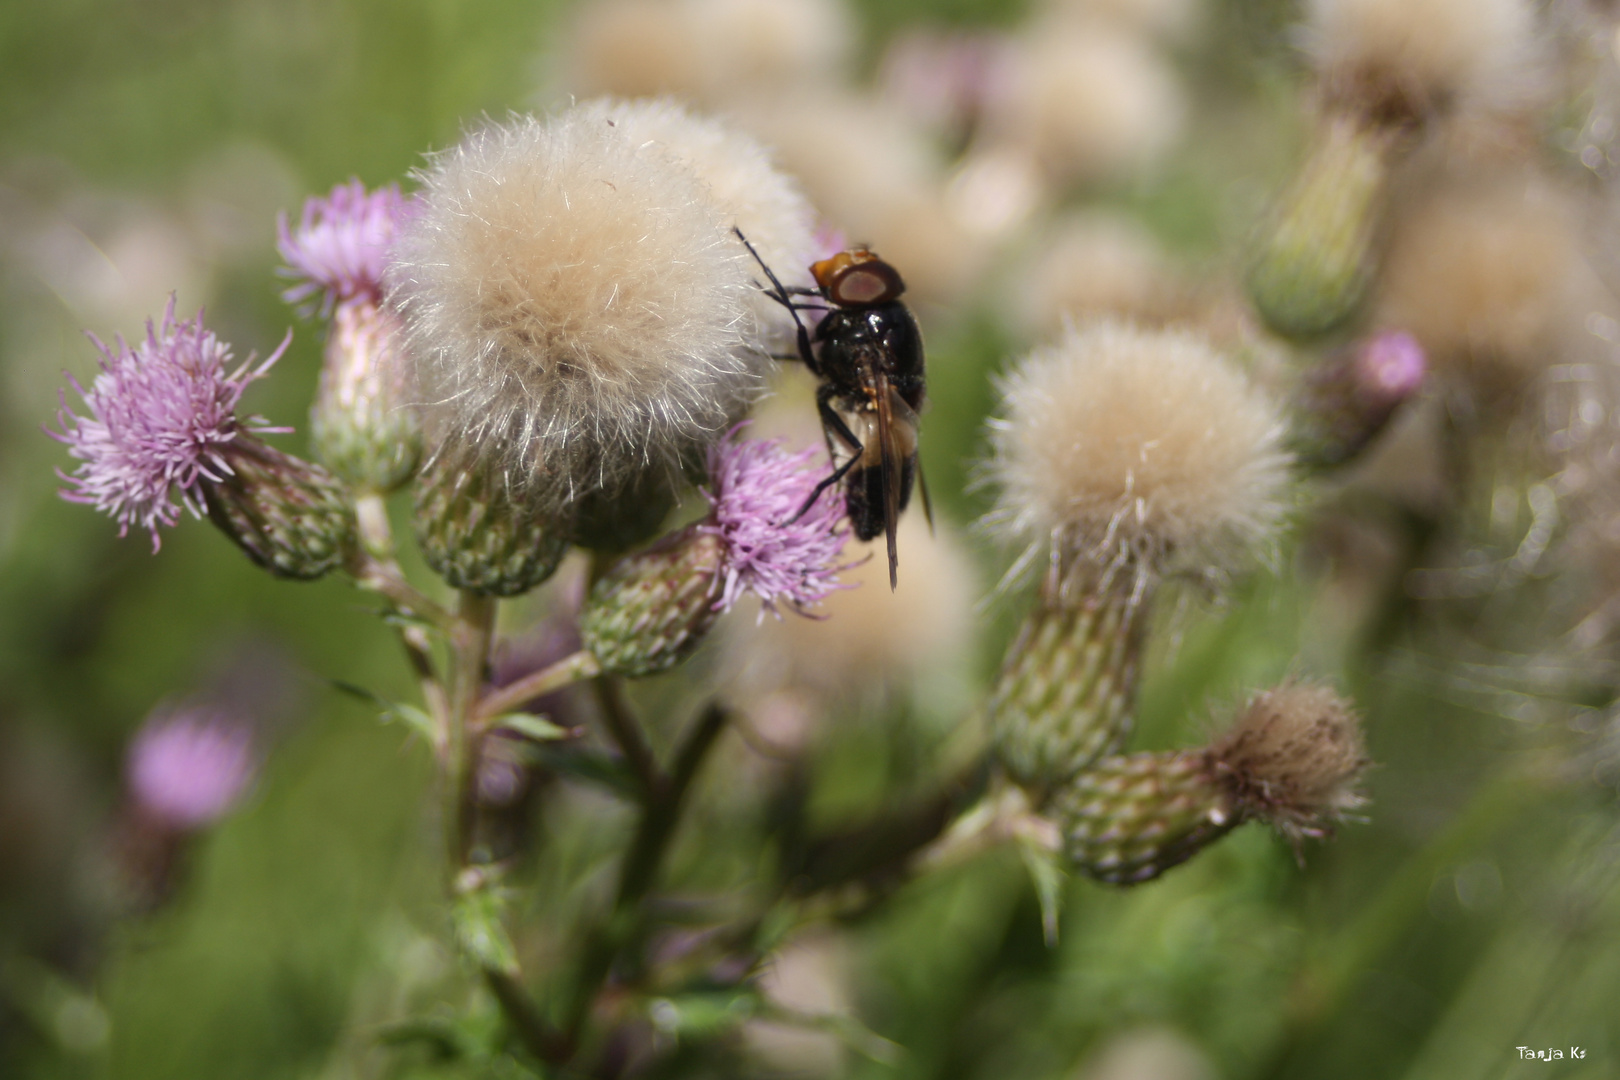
(867, 352)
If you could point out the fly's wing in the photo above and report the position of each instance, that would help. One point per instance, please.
(904, 414)
(893, 454)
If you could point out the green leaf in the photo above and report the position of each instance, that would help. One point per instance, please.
(700, 1015)
(592, 765)
(1048, 878)
(392, 711)
(537, 728)
(476, 917)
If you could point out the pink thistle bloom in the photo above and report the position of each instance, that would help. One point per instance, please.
(160, 416)
(187, 768)
(340, 248)
(758, 488)
(1390, 367)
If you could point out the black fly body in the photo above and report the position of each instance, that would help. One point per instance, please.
(867, 352)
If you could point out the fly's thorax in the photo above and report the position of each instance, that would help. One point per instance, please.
(884, 337)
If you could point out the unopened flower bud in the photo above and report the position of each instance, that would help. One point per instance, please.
(1349, 397)
(1318, 252)
(360, 424)
(290, 516)
(653, 608)
(1067, 688)
(1291, 760)
(479, 534)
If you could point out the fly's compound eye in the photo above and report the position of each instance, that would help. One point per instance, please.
(858, 278)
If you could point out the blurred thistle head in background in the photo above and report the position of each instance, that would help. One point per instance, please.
(579, 311)
(189, 766)
(1408, 60)
(160, 415)
(1138, 450)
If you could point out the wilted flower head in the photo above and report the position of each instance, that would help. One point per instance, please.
(188, 767)
(758, 489)
(160, 414)
(1294, 759)
(340, 248)
(579, 311)
(1119, 444)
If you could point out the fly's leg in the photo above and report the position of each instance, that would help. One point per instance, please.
(780, 294)
(832, 424)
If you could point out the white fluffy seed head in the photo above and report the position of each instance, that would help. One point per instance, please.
(1487, 275)
(1123, 446)
(578, 309)
(711, 51)
(1094, 264)
(1426, 54)
(744, 183)
(1091, 101)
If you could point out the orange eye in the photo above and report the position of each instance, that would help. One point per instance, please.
(858, 278)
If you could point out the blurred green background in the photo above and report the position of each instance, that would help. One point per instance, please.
(146, 147)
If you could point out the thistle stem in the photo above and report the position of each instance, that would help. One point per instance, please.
(565, 672)
(660, 816)
(625, 731)
(376, 569)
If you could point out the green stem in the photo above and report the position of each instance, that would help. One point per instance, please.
(376, 569)
(470, 644)
(565, 672)
(660, 815)
(626, 734)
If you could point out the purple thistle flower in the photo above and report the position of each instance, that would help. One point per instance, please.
(188, 767)
(160, 415)
(1389, 367)
(341, 245)
(758, 488)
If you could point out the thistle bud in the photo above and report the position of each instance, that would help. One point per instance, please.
(361, 425)
(1292, 760)
(1128, 819)
(479, 534)
(1316, 257)
(1067, 689)
(290, 516)
(1349, 397)
(653, 608)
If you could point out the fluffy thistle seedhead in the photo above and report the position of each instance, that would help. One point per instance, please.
(578, 310)
(1128, 447)
(1293, 759)
(161, 414)
(743, 182)
(1407, 59)
(1486, 276)
(340, 249)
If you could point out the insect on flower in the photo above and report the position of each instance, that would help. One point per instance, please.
(867, 352)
